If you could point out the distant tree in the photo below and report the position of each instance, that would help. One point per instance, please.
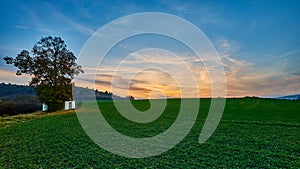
(130, 97)
(52, 68)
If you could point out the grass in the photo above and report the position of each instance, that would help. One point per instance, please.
(253, 133)
(6, 121)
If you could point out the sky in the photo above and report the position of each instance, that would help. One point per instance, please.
(257, 41)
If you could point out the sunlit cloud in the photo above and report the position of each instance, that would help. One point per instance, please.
(145, 72)
(252, 66)
(155, 74)
(8, 76)
(245, 78)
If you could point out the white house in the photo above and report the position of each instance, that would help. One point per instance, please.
(69, 105)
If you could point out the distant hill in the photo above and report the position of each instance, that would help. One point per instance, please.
(85, 94)
(11, 91)
(290, 97)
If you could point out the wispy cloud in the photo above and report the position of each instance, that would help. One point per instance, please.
(77, 26)
(226, 46)
(246, 78)
(36, 21)
(9, 76)
(285, 54)
(153, 70)
(71, 22)
(21, 27)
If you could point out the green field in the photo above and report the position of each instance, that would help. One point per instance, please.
(253, 133)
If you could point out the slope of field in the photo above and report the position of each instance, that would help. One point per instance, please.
(254, 133)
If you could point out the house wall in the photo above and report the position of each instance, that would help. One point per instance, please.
(69, 105)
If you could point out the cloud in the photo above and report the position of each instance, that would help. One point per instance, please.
(152, 70)
(225, 46)
(247, 78)
(21, 27)
(9, 76)
(146, 71)
(36, 21)
(285, 54)
(102, 82)
(73, 24)
(244, 78)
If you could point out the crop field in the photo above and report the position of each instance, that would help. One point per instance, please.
(253, 133)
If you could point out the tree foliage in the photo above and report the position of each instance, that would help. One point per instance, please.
(21, 104)
(52, 67)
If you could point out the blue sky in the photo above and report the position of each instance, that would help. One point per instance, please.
(258, 41)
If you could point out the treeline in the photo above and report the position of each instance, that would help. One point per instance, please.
(21, 104)
(10, 91)
(19, 99)
(81, 93)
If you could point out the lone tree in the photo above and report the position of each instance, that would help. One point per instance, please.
(52, 68)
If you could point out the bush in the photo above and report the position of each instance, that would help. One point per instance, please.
(21, 104)
(54, 106)
(7, 108)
